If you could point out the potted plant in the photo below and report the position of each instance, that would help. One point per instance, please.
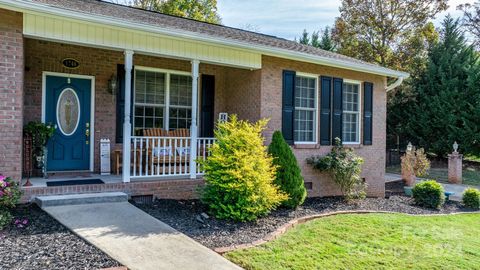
(40, 133)
(414, 164)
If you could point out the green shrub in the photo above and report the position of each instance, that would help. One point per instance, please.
(345, 168)
(429, 194)
(5, 218)
(239, 174)
(9, 196)
(288, 178)
(471, 198)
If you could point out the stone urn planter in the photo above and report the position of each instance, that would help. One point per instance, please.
(408, 191)
(409, 178)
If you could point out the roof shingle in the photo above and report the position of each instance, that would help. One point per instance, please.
(136, 15)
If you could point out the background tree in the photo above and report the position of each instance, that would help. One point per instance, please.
(373, 30)
(445, 106)
(304, 39)
(471, 19)
(325, 42)
(201, 10)
(395, 34)
(147, 4)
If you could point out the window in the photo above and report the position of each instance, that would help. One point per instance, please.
(351, 112)
(180, 110)
(162, 99)
(305, 109)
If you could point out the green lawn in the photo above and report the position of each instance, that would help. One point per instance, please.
(371, 241)
(470, 175)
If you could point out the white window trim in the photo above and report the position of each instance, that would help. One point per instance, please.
(316, 114)
(360, 106)
(166, 106)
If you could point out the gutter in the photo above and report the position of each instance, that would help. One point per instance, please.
(395, 84)
(28, 6)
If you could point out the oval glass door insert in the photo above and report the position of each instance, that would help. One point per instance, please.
(68, 111)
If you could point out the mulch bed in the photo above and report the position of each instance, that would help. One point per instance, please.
(213, 233)
(46, 244)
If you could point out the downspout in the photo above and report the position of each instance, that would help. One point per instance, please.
(395, 84)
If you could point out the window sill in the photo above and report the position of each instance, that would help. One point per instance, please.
(306, 146)
(353, 145)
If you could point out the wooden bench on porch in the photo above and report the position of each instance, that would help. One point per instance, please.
(159, 147)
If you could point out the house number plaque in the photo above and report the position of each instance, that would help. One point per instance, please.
(70, 63)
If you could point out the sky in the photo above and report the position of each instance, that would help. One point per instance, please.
(287, 18)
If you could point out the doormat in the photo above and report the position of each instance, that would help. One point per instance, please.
(74, 182)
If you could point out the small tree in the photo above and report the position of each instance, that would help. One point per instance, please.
(414, 163)
(345, 168)
(239, 174)
(288, 178)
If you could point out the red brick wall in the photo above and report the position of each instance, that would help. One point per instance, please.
(243, 91)
(182, 189)
(373, 169)
(43, 56)
(11, 93)
(250, 94)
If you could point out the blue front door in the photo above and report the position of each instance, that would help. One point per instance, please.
(68, 109)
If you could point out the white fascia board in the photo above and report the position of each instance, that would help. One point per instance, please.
(28, 6)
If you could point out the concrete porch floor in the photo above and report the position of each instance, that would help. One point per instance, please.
(107, 179)
(42, 182)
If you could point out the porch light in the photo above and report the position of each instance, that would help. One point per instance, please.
(112, 84)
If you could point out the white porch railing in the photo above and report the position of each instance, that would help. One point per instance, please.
(166, 156)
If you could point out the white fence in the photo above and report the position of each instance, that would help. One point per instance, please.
(166, 156)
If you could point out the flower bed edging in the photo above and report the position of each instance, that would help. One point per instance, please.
(277, 233)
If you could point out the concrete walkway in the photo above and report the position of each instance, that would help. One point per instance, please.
(136, 239)
(392, 177)
(457, 189)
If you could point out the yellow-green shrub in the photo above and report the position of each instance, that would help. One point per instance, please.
(239, 174)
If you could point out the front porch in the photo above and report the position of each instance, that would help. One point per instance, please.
(161, 106)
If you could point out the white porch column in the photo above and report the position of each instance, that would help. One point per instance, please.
(193, 128)
(127, 126)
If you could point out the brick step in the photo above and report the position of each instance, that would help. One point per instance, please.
(87, 198)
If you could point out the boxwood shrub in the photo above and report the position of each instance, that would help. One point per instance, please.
(289, 177)
(429, 194)
(471, 198)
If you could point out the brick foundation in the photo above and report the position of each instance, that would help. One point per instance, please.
(163, 189)
(11, 93)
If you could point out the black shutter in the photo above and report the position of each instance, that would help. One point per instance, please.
(120, 106)
(367, 112)
(325, 109)
(337, 120)
(288, 105)
(207, 106)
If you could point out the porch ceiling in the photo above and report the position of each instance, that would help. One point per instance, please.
(62, 29)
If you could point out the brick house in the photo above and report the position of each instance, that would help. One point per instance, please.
(98, 70)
